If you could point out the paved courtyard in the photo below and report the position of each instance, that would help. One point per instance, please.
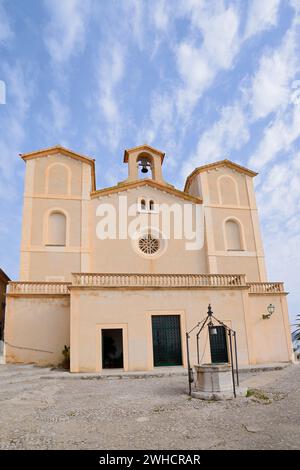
(41, 409)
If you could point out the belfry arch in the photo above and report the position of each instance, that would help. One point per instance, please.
(144, 159)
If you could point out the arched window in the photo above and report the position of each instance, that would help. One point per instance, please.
(151, 205)
(233, 235)
(58, 179)
(57, 229)
(143, 205)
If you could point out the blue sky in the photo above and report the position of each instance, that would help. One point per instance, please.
(200, 80)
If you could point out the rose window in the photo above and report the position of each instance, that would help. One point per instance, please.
(148, 244)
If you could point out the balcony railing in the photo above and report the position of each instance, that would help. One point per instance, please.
(265, 287)
(158, 280)
(95, 280)
(45, 288)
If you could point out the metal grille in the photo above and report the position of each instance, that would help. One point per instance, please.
(148, 244)
(218, 344)
(166, 340)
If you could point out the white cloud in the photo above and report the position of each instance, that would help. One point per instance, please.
(12, 124)
(199, 65)
(211, 44)
(65, 34)
(283, 261)
(159, 125)
(6, 31)
(60, 113)
(133, 19)
(278, 137)
(228, 133)
(278, 183)
(295, 4)
(262, 15)
(195, 73)
(219, 27)
(160, 13)
(279, 191)
(110, 72)
(271, 84)
(278, 197)
(276, 74)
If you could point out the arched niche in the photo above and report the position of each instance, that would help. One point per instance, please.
(233, 235)
(228, 191)
(57, 228)
(58, 179)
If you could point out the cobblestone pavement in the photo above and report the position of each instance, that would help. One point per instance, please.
(41, 411)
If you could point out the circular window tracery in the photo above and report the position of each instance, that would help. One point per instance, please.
(148, 244)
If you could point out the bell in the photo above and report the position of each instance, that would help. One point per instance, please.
(145, 165)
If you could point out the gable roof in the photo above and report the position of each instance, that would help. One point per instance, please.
(146, 182)
(63, 151)
(144, 148)
(219, 164)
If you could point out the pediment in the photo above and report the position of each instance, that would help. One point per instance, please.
(146, 182)
(222, 163)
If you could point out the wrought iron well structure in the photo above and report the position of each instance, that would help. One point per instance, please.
(209, 322)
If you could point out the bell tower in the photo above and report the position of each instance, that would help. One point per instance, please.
(144, 161)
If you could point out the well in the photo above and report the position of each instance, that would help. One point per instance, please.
(214, 382)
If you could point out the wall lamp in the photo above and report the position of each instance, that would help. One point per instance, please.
(271, 310)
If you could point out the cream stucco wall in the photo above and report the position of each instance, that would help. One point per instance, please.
(229, 195)
(85, 252)
(44, 193)
(3, 285)
(43, 167)
(121, 256)
(272, 338)
(92, 308)
(37, 328)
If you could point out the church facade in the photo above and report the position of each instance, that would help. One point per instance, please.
(120, 274)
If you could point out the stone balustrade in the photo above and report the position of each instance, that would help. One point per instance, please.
(158, 280)
(45, 288)
(95, 280)
(265, 287)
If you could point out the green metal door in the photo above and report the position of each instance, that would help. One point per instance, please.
(218, 344)
(166, 340)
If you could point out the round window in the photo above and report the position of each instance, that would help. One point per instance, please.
(148, 244)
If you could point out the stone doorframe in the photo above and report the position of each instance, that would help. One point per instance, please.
(111, 326)
(182, 315)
